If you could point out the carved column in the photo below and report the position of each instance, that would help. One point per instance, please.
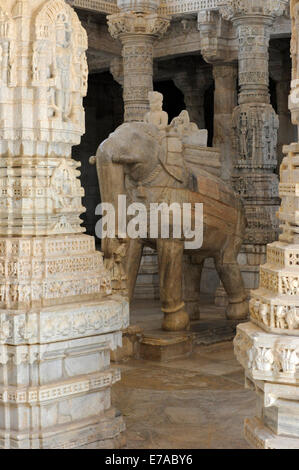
(193, 81)
(268, 346)
(217, 45)
(255, 126)
(58, 319)
(280, 72)
(137, 26)
(225, 100)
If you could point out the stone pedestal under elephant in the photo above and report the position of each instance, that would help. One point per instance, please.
(148, 164)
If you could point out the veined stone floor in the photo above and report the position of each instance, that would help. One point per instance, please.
(197, 402)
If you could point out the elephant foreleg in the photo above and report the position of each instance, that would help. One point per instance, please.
(170, 258)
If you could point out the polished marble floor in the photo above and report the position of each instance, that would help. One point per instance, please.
(192, 403)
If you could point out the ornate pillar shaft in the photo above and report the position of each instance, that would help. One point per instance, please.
(225, 100)
(253, 34)
(58, 320)
(137, 31)
(255, 126)
(138, 74)
(268, 346)
(193, 81)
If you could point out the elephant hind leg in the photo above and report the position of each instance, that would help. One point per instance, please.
(230, 275)
(170, 257)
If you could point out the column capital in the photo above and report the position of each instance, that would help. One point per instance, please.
(217, 37)
(133, 23)
(236, 9)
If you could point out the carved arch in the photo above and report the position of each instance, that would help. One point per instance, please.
(47, 17)
(59, 61)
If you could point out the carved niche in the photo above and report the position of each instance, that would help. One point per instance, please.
(255, 136)
(59, 62)
(7, 48)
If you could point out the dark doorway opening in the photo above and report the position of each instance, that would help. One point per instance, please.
(103, 113)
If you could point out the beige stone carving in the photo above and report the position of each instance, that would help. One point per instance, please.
(255, 124)
(267, 347)
(156, 115)
(137, 28)
(58, 318)
(157, 170)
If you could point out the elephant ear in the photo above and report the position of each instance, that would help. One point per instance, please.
(171, 158)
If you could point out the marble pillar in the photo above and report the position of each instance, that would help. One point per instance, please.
(225, 100)
(193, 81)
(281, 74)
(58, 319)
(255, 127)
(268, 346)
(137, 26)
(216, 36)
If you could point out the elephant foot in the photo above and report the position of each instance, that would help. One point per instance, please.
(178, 321)
(239, 311)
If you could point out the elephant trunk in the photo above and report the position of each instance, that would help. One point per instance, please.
(112, 184)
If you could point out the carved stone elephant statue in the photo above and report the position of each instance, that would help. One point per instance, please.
(147, 165)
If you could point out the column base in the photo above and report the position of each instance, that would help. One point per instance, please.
(164, 346)
(261, 437)
(270, 363)
(130, 344)
(104, 432)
